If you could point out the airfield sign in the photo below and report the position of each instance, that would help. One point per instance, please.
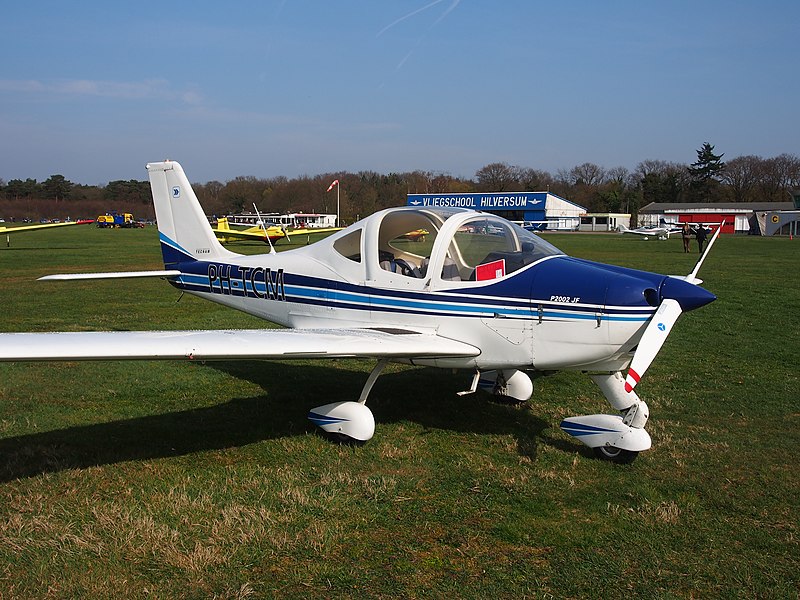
(492, 201)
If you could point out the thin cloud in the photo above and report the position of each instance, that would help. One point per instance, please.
(411, 14)
(133, 90)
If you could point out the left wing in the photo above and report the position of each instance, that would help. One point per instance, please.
(229, 344)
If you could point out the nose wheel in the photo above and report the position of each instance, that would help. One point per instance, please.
(615, 455)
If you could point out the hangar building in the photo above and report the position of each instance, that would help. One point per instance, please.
(527, 208)
(739, 217)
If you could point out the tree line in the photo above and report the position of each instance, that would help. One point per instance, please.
(709, 179)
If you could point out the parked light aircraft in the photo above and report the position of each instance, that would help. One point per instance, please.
(666, 228)
(661, 232)
(555, 224)
(478, 293)
(267, 234)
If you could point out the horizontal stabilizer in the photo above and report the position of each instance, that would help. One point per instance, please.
(117, 275)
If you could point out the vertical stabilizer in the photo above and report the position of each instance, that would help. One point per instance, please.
(182, 225)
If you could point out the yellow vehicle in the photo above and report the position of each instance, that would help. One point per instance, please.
(115, 219)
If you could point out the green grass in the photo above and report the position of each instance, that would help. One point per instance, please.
(183, 480)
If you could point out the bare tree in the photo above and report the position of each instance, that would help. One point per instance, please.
(588, 174)
(658, 167)
(617, 174)
(780, 175)
(531, 180)
(660, 181)
(495, 177)
(742, 175)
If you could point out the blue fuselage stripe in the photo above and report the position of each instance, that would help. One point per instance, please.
(374, 302)
(336, 294)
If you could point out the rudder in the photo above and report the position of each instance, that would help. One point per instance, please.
(183, 228)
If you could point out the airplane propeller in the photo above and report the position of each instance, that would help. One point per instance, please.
(678, 294)
(654, 337)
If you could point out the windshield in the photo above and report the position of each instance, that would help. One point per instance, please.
(484, 247)
(488, 247)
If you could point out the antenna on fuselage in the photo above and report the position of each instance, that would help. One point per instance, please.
(264, 229)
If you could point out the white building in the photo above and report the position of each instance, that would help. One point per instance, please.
(604, 221)
(291, 220)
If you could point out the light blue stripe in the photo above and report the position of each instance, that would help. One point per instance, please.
(367, 302)
(172, 244)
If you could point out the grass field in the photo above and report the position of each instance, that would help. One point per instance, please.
(184, 480)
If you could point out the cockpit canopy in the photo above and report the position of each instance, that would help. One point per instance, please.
(447, 243)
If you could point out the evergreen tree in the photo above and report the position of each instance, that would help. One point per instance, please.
(705, 175)
(57, 187)
(708, 165)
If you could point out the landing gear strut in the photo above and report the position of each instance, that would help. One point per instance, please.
(617, 438)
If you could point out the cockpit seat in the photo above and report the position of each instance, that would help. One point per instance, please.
(450, 270)
(398, 265)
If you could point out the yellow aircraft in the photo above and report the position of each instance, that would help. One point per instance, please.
(418, 235)
(22, 228)
(226, 235)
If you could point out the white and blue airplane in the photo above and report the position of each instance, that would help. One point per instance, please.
(665, 228)
(478, 293)
(661, 231)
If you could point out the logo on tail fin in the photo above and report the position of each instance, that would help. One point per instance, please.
(176, 192)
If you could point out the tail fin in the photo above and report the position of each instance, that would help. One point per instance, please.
(222, 224)
(182, 226)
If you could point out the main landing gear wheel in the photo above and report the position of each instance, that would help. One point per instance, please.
(342, 439)
(507, 400)
(616, 455)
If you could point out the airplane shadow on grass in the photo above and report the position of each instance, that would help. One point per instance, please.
(424, 396)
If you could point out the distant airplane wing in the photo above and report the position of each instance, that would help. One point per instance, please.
(312, 230)
(24, 228)
(229, 344)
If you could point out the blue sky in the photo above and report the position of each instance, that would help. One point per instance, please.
(94, 90)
